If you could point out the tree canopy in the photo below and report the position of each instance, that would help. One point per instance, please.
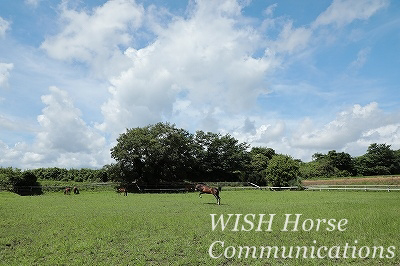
(282, 171)
(152, 153)
(162, 152)
(378, 160)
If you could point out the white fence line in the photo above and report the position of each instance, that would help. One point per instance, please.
(164, 189)
(256, 188)
(354, 185)
(387, 188)
(324, 187)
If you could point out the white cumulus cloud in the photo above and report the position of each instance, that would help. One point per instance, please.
(62, 139)
(95, 38)
(206, 60)
(62, 127)
(349, 126)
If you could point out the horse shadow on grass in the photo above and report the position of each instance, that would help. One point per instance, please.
(209, 203)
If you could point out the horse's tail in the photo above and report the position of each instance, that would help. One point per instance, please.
(219, 188)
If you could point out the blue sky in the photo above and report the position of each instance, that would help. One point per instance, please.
(298, 76)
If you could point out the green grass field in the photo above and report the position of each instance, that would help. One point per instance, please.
(104, 228)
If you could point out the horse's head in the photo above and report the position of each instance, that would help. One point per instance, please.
(198, 187)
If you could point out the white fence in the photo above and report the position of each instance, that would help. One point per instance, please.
(323, 187)
(355, 187)
(259, 188)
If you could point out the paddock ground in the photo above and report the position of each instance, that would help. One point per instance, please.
(104, 228)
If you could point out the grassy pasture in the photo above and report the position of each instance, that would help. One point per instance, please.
(104, 228)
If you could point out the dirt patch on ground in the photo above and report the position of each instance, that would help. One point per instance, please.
(392, 180)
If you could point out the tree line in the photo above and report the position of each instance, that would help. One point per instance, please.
(163, 153)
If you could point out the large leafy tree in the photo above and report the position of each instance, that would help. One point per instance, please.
(282, 171)
(219, 157)
(342, 161)
(328, 165)
(259, 158)
(379, 160)
(164, 152)
(153, 153)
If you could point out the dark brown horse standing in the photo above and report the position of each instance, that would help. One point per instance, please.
(67, 191)
(122, 190)
(208, 190)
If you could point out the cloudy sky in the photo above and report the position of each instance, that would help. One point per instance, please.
(297, 76)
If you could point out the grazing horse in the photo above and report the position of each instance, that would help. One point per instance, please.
(122, 190)
(67, 191)
(208, 190)
(76, 190)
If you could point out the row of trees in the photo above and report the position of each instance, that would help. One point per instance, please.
(163, 153)
(379, 159)
(26, 182)
(78, 175)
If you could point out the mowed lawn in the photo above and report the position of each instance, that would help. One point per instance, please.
(104, 228)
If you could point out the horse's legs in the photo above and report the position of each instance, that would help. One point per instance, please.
(218, 198)
(200, 194)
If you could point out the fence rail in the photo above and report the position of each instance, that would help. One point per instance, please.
(323, 187)
(355, 187)
(259, 188)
